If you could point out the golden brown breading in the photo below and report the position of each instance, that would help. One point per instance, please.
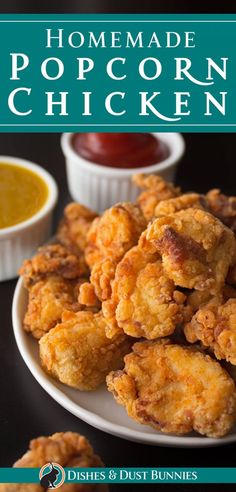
(68, 449)
(78, 353)
(198, 298)
(145, 302)
(196, 248)
(74, 226)
(87, 296)
(53, 259)
(175, 390)
(214, 324)
(48, 299)
(102, 276)
(114, 233)
(223, 207)
(182, 202)
(156, 190)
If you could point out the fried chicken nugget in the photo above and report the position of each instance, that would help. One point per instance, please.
(214, 324)
(102, 276)
(175, 389)
(68, 449)
(182, 202)
(78, 353)
(156, 190)
(99, 288)
(223, 207)
(53, 259)
(87, 296)
(48, 298)
(144, 302)
(74, 226)
(197, 298)
(114, 233)
(196, 248)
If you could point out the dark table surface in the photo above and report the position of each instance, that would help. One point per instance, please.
(26, 410)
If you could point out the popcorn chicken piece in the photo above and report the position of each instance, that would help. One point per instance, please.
(87, 296)
(73, 228)
(53, 259)
(156, 190)
(223, 207)
(68, 449)
(175, 390)
(114, 233)
(196, 248)
(78, 353)
(48, 299)
(214, 325)
(198, 298)
(102, 276)
(144, 301)
(182, 202)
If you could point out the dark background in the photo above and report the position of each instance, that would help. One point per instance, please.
(26, 411)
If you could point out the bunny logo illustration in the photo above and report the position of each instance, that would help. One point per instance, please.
(51, 476)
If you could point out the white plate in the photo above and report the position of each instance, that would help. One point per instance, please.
(97, 408)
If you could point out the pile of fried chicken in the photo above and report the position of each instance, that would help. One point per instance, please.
(160, 272)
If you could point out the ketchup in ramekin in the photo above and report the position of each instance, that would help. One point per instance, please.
(120, 150)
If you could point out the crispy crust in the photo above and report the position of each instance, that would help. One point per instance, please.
(114, 233)
(73, 228)
(156, 190)
(48, 299)
(223, 207)
(175, 390)
(102, 276)
(198, 298)
(182, 202)
(144, 301)
(196, 248)
(87, 296)
(78, 353)
(214, 324)
(53, 259)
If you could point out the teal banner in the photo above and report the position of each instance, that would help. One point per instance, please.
(125, 475)
(118, 73)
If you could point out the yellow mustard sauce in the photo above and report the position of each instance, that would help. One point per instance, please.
(22, 194)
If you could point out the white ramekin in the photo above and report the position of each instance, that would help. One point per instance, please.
(20, 241)
(99, 187)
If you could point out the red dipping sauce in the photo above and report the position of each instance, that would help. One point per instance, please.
(121, 150)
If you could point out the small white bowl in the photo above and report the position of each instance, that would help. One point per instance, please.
(99, 187)
(21, 240)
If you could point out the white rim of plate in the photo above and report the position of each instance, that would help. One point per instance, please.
(91, 418)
